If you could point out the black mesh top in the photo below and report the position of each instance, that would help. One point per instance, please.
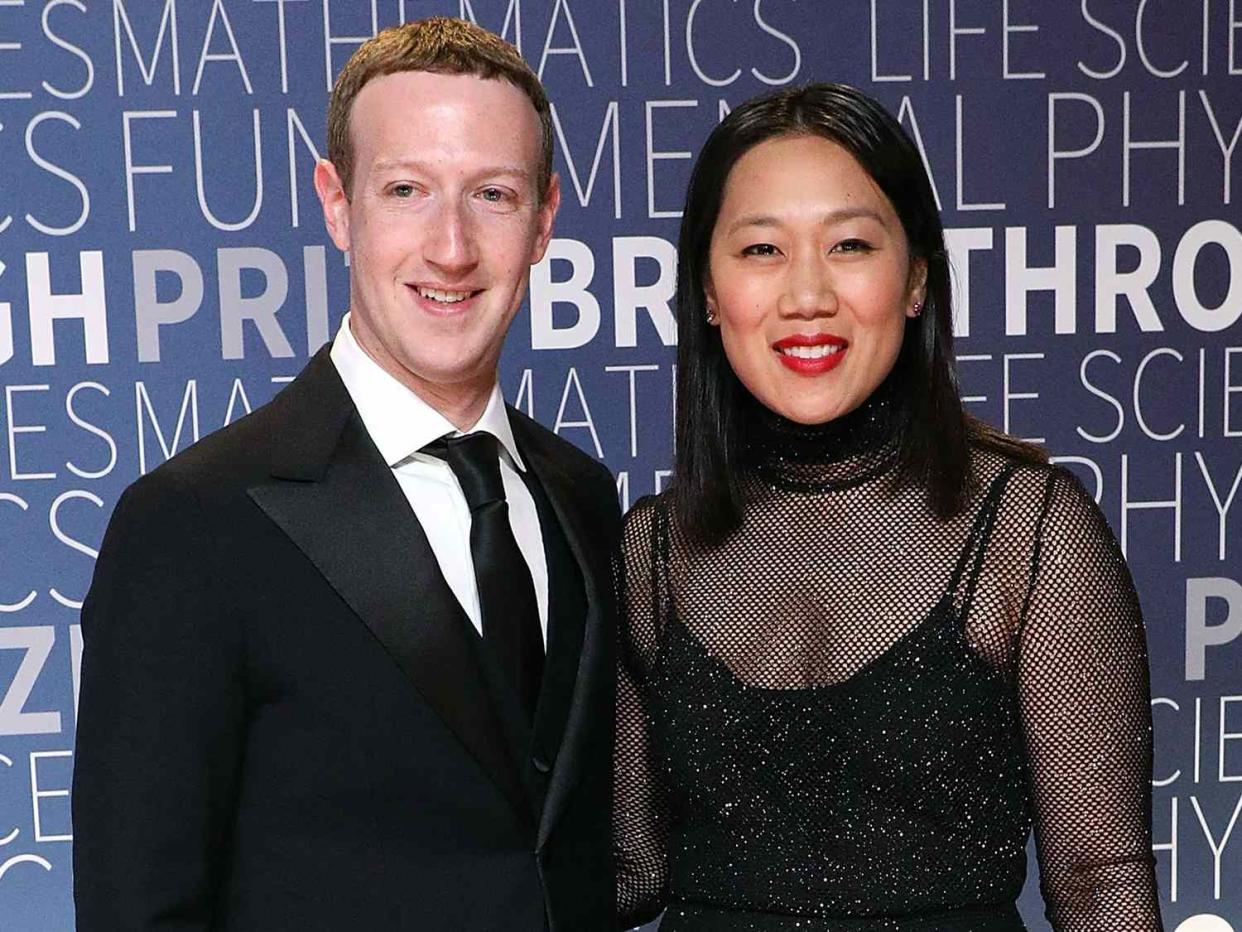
(849, 715)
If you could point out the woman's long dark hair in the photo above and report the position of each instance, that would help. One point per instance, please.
(935, 432)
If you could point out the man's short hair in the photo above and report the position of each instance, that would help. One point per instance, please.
(441, 45)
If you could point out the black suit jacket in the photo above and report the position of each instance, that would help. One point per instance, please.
(285, 720)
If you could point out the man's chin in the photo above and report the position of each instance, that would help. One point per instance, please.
(461, 375)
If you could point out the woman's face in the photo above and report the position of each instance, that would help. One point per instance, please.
(809, 278)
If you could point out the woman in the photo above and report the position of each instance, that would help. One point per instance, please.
(867, 642)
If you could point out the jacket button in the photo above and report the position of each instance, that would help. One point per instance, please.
(541, 762)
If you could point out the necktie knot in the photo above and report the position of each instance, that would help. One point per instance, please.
(475, 461)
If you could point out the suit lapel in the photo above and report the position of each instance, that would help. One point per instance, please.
(337, 500)
(566, 621)
(592, 563)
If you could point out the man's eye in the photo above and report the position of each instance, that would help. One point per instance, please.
(760, 249)
(494, 195)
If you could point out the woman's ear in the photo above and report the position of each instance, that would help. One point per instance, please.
(916, 290)
(709, 299)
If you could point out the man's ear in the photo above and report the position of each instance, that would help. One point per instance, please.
(547, 215)
(334, 201)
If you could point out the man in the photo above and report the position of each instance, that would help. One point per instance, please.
(347, 662)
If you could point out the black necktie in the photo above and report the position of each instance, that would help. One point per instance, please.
(506, 592)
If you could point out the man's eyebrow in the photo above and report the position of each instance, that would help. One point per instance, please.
(492, 171)
(831, 216)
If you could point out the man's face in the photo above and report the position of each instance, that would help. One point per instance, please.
(442, 225)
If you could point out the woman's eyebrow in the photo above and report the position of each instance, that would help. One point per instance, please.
(831, 216)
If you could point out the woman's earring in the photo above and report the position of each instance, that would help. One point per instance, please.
(711, 316)
(918, 308)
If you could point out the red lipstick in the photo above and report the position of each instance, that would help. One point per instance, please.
(818, 360)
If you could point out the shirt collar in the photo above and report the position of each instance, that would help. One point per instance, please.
(401, 423)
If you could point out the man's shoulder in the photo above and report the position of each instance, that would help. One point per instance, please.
(590, 486)
(569, 457)
(229, 455)
(247, 451)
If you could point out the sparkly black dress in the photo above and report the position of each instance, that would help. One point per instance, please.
(849, 715)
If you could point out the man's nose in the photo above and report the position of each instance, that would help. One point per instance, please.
(451, 244)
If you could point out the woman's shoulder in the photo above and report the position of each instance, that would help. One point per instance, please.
(1024, 463)
(644, 513)
(1018, 464)
(644, 524)
(1044, 496)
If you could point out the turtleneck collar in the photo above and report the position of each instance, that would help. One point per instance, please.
(818, 457)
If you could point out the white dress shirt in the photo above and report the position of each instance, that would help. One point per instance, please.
(401, 424)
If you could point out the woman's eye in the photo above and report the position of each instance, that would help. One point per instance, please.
(760, 249)
(403, 189)
(852, 245)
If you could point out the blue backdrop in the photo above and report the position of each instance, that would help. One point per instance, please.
(164, 268)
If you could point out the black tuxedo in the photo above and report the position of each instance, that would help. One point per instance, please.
(286, 719)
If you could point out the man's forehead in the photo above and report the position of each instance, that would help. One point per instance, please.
(425, 91)
(396, 116)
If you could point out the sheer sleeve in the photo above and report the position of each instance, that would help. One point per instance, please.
(1085, 705)
(640, 820)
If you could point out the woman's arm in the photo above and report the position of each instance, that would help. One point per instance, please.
(640, 824)
(1085, 705)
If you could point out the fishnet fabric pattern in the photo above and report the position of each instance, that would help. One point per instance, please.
(850, 714)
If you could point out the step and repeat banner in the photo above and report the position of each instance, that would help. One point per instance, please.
(164, 270)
